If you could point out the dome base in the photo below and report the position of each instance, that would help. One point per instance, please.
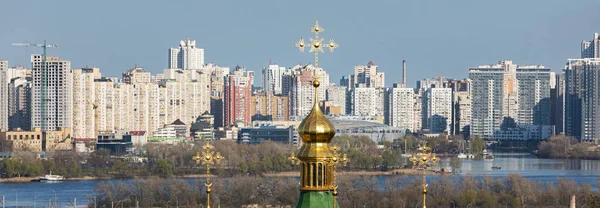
(316, 199)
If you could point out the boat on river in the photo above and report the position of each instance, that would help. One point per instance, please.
(51, 178)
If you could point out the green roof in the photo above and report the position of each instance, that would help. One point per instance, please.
(316, 199)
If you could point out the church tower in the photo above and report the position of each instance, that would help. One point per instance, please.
(317, 158)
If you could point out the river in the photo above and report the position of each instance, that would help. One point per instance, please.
(543, 170)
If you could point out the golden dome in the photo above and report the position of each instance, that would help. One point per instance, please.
(316, 128)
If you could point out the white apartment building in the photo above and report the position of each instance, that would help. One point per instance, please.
(367, 75)
(105, 105)
(84, 106)
(184, 95)
(51, 99)
(272, 78)
(4, 94)
(591, 48)
(186, 56)
(401, 108)
(302, 92)
(508, 91)
(338, 96)
(362, 101)
(367, 101)
(439, 109)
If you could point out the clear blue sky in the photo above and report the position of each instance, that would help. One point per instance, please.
(435, 37)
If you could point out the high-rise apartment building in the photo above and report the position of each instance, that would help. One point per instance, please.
(183, 95)
(337, 95)
(3, 95)
(436, 82)
(582, 99)
(368, 76)
(302, 92)
(84, 102)
(238, 96)
(217, 83)
(19, 103)
(506, 92)
(19, 98)
(105, 107)
(266, 106)
(362, 101)
(419, 111)
(462, 113)
(51, 93)
(272, 77)
(439, 109)
(186, 56)
(401, 108)
(591, 48)
(367, 101)
(557, 96)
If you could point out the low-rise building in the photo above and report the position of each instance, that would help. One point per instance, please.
(378, 132)
(165, 132)
(203, 128)
(58, 140)
(179, 127)
(138, 138)
(525, 132)
(36, 140)
(18, 140)
(118, 142)
(271, 133)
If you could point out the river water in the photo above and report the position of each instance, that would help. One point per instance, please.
(527, 165)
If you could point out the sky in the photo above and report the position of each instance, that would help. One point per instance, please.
(437, 38)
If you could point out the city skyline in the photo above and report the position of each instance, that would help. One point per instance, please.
(534, 36)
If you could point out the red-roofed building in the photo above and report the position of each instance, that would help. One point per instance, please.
(138, 138)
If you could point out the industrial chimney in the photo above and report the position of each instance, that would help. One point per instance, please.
(404, 73)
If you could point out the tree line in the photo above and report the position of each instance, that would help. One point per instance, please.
(354, 191)
(166, 160)
(561, 146)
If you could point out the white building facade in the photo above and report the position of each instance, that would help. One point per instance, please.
(84, 105)
(186, 56)
(338, 96)
(272, 78)
(302, 92)
(3, 95)
(51, 99)
(439, 109)
(401, 108)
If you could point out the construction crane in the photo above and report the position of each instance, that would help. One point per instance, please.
(44, 85)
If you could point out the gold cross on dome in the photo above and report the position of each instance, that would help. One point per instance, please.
(316, 43)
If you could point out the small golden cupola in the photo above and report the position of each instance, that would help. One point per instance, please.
(316, 132)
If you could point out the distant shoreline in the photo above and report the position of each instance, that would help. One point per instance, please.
(278, 174)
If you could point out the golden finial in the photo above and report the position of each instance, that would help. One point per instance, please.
(423, 159)
(334, 160)
(316, 43)
(208, 158)
(294, 159)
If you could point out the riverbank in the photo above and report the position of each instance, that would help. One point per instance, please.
(30, 179)
(279, 174)
(357, 173)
